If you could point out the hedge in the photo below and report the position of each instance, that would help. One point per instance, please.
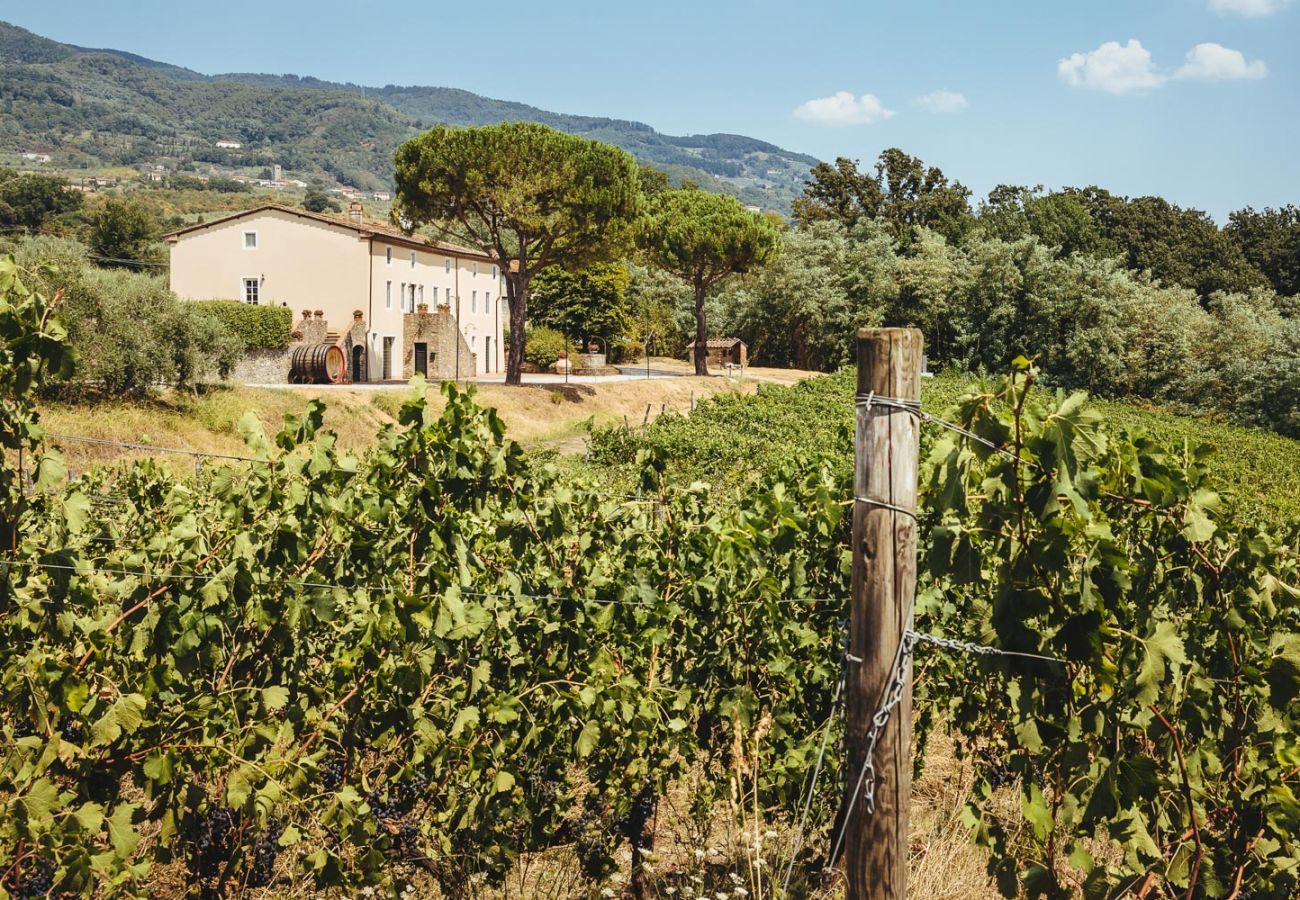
(259, 327)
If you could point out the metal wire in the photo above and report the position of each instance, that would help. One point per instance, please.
(914, 407)
(318, 585)
(883, 505)
(977, 649)
(893, 695)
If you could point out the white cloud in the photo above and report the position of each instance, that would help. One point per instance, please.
(842, 108)
(943, 102)
(1215, 62)
(1252, 8)
(1112, 67)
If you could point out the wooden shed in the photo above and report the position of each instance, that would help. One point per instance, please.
(721, 351)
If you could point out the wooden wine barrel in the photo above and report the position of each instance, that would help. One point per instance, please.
(318, 364)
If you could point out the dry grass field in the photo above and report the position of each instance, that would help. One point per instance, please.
(547, 415)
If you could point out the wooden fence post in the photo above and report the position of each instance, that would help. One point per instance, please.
(884, 584)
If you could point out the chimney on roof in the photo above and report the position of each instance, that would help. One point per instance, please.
(355, 211)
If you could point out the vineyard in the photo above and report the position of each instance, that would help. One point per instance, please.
(414, 669)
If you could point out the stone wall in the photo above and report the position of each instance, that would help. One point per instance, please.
(445, 342)
(313, 327)
(263, 367)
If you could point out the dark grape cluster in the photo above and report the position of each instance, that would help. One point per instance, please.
(214, 836)
(538, 784)
(394, 810)
(996, 772)
(262, 854)
(332, 773)
(33, 880)
(74, 733)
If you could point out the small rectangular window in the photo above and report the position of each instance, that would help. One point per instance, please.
(252, 289)
(412, 309)
(421, 293)
(401, 297)
(473, 268)
(388, 295)
(412, 259)
(388, 255)
(487, 301)
(250, 240)
(435, 294)
(473, 301)
(446, 262)
(494, 273)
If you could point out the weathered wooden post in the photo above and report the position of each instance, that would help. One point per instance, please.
(884, 584)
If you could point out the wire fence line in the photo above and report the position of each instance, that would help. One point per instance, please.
(913, 407)
(231, 457)
(467, 591)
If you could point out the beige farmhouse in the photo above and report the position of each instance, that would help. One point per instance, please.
(342, 266)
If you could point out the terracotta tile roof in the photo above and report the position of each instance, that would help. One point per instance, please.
(717, 343)
(369, 229)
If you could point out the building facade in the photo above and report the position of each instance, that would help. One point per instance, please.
(275, 255)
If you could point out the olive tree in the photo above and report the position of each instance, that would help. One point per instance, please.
(527, 196)
(702, 238)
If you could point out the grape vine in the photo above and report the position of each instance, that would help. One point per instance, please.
(441, 654)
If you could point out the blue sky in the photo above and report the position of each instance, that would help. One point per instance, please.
(1217, 129)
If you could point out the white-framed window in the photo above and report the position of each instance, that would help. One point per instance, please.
(250, 240)
(388, 255)
(473, 301)
(388, 295)
(494, 273)
(412, 259)
(446, 264)
(421, 293)
(435, 295)
(252, 292)
(473, 342)
(412, 309)
(401, 297)
(473, 268)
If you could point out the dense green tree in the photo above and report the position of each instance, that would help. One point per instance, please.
(526, 195)
(653, 181)
(805, 308)
(656, 304)
(122, 231)
(317, 200)
(585, 304)
(1176, 245)
(702, 238)
(838, 192)
(1057, 219)
(27, 201)
(1270, 240)
(903, 192)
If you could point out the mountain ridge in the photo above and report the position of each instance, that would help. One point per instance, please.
(98, 106)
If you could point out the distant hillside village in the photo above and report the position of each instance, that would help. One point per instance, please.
(167, 172)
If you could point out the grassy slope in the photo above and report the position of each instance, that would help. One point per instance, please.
(542, 416)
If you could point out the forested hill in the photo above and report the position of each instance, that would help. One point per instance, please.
(91, 107)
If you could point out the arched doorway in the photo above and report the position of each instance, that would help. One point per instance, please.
(358, 363)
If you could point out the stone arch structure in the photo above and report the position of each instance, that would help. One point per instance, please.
(353, 342)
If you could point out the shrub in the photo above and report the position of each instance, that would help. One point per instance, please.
(543, 346)
(629, 351)
(257, 327)
(128, 331)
